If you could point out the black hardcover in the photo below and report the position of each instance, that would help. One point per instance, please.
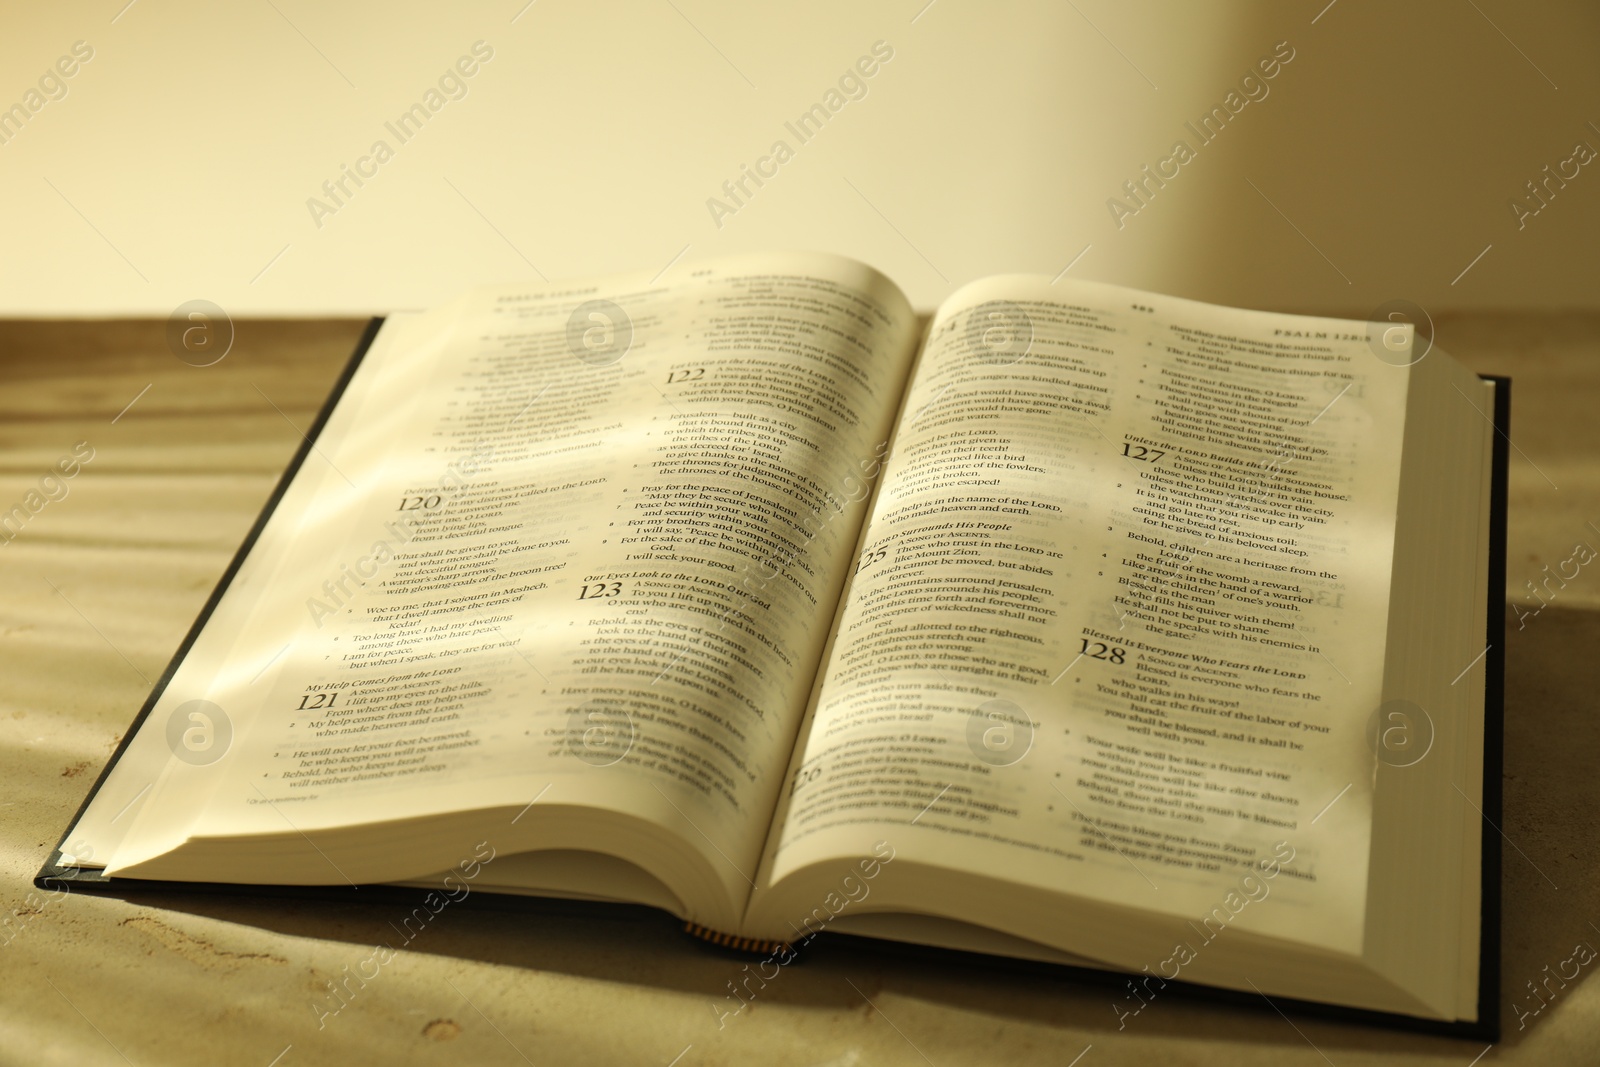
(1486, 1028)
(52, 872)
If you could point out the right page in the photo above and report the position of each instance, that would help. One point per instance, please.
(1117, 626)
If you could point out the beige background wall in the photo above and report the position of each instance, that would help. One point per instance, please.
(179, 163)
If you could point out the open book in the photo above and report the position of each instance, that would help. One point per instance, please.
(1078, 624)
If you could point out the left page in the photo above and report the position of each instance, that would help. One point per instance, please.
(577, 543)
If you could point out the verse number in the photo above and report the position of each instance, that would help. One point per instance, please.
(600, 589)
(1149, 455)
(871, 556)
(419, 503)
(1101, 650)
(804, 776)
(692, 374)
(313, 701)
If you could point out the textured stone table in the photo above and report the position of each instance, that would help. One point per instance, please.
(100, 587)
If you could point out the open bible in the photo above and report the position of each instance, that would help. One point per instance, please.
(1078, 624)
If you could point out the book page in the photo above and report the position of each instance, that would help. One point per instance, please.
(1117, 625)
(577, 543)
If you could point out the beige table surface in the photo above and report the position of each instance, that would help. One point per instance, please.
(101, 586)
